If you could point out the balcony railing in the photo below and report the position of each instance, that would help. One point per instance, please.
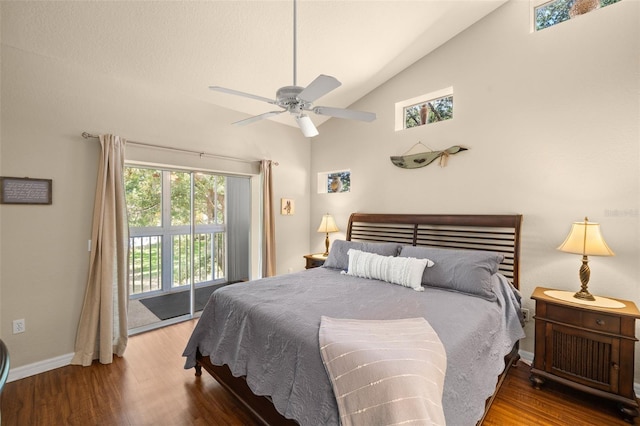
(145, 264)
(148, 254)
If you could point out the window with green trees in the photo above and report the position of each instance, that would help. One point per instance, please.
(429, 111)
(177, 228)
(556, 11)
(339, 181)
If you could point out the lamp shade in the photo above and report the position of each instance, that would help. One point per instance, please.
(328, 224)
(586, 239)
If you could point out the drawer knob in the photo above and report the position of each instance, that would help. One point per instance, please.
(615, 366)
(600, 321)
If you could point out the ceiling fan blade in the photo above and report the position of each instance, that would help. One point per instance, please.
(239, 93)
(319, 87)
(257, 118)
(306, 125)
(345, 113)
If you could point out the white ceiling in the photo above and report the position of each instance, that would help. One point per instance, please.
(186, 46)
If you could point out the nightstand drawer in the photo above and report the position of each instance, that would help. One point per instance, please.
(592, 320)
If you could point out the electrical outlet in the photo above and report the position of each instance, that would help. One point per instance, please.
(19, 326)
(526, 314)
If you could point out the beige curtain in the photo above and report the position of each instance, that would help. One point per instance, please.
(102, 330)
(268, 225)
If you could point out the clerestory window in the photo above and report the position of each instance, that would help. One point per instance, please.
(425, 109)
(427, 112)
(549, 13)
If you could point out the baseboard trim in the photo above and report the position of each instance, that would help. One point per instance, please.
(39, 367)
(528, 358)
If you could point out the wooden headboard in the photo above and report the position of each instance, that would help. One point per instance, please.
(498, 233)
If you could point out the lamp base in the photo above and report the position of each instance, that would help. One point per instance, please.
(326, 245)
(584, 295)
(584, 273)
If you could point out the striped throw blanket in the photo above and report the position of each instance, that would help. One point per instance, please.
(384, 372)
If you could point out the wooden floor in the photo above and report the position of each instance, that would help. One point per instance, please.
(518, 403)
(148, 386)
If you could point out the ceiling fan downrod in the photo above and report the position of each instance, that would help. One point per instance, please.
(295, 46)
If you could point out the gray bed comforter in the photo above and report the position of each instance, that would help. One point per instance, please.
(267, 330)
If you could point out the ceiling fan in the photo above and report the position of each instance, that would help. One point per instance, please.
(297, 100)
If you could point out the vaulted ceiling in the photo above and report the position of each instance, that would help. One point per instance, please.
(186, 46)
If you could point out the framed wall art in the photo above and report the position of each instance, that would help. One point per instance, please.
(287, 206)
(14, 190)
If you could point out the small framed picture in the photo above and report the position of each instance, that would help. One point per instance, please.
(287, 206)
(15, 190)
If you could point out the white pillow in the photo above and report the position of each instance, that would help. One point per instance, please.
(405, 271)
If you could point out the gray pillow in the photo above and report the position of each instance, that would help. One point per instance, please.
(339, 259)
(464, 271)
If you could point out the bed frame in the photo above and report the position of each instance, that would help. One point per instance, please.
(498, 233)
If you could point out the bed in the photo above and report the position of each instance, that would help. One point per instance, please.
(260, 339)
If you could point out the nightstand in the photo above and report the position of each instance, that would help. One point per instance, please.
(314, 260)
(587, 348)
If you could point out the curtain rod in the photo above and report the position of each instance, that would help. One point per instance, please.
(87, 135)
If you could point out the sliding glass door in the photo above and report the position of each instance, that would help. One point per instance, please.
(182, 226)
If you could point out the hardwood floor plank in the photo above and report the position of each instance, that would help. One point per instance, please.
(519, 403)
(149, 386)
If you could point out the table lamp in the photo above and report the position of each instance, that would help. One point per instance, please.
(585, 239)
(327, 225)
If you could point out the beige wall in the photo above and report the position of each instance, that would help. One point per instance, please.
(552, 123)
(46, 105)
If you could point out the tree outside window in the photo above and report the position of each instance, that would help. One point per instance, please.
(159, 215)
(554, 12)
(427, 112)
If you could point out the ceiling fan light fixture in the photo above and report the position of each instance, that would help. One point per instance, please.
(306, 125)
